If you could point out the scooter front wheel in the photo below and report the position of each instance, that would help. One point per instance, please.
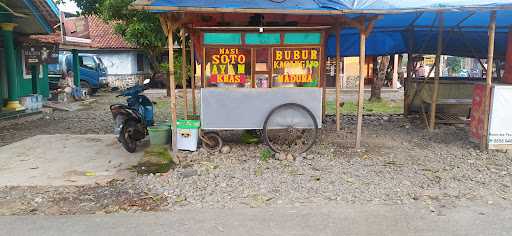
(125, 136)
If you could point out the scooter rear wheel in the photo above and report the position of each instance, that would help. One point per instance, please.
(125, 136)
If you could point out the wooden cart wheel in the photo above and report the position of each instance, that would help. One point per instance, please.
(290, 128)
(211, 141)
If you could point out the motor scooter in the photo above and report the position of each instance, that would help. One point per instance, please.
(132, 119)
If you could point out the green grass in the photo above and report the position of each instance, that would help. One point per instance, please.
(381, 107)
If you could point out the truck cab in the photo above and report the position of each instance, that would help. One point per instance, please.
(93, 73)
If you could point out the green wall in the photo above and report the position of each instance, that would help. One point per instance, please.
(25, 83)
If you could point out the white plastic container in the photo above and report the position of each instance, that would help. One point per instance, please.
(187, 134)
(26, 102)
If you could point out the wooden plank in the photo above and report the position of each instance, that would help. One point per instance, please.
(488, 82)
(184, 73)
(437, 73)
(338, 77)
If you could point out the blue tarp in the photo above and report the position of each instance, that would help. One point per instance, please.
(465, 34)
(287, 5)
(343, 6)
(400, 22)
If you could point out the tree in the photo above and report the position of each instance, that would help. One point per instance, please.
(454, 65)
(380, 70)
(139, 28)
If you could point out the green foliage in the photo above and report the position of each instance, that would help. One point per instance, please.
(164, 67)
(139, 28)
(249, 137)
(265, 154)
(454, 64)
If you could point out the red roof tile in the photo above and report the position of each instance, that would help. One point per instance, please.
(54, 38)
(103, 36)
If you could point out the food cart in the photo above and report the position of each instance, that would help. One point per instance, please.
(266, 79)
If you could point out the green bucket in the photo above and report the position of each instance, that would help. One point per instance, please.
(164, 123)
(159, 135)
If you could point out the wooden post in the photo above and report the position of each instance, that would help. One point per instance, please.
(407, 83)
(433, 105)
(172, 84)
(488, 83)
(360, 97)
(184, 73)
(323, 79)
(410, 71)
(193, 79)
(338, 77)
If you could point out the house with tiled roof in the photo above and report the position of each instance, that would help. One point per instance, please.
(125, 62)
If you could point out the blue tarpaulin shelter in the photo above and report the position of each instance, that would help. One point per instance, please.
(409, 26)
(400, 22)
(465, 34)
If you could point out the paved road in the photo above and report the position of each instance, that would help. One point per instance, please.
(320, 220)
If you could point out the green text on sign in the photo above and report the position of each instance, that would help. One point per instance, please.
(222, 38)
(262, 38)
(302, 38)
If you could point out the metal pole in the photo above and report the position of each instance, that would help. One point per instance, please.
(338, 77)
(488, 83)
(433, 105)
(360, 98)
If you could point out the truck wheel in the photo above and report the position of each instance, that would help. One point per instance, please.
(85, 87)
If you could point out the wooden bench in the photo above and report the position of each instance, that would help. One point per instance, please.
(444, 118)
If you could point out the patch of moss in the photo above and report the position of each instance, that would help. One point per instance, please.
(157, 159)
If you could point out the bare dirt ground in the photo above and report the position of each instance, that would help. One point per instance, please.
(400, 163)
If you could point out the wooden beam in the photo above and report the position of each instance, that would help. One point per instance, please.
(410, 64)
(488, 82)
(163, 23)
(360, 98)
(193, 78)
(184, 73)
(437, 73)
(172, 85)
(364, 31)
(323, 79)
(338, 77)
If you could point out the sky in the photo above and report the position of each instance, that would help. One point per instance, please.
(68, 6)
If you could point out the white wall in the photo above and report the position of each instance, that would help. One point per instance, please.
(122, 62)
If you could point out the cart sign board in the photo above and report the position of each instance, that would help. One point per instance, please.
(228, 67)
(41, 54)
(299, 67)
(500, 125)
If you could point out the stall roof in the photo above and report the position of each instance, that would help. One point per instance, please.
(318, 6)
(465, 34)
(400, 22)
